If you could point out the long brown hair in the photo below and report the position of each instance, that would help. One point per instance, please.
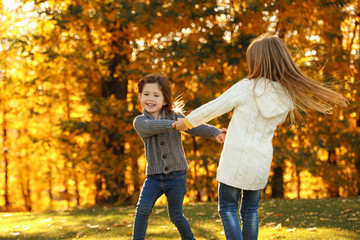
(268, 57)
(164, 84)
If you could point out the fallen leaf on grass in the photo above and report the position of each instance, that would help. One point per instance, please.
(291, 230)
(79, 234)
(118, 224)
(15, 233)
(278, 227)
(201, 213)
(157, 211)
(354, 219)
(312, 229)
(270, 223)
(348, 210)
(276, 236)
(272, 205)
(92, 226)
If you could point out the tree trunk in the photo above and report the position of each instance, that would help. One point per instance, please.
(357, 164)
(50, 160)
(135, 179)
(116, 85)
(73, 160)
(333, 188)
(66, 193)
(6, 161)
(27, 195)
(98, 188)
(298, 184)
(24, 175)
(357, 160)
(198, 190)
(210, 193)
(77, 191)
(278, 183)
(50, 184)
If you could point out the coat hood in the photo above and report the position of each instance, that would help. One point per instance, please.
(271, 98)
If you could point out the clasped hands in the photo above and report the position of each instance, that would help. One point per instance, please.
(181, 126)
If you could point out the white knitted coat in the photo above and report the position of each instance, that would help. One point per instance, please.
(247, 154)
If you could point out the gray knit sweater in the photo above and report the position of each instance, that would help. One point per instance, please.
(164, 151)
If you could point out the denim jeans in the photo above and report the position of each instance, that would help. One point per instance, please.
(173, 185)
(228, 207)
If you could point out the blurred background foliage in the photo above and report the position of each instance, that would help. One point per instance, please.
(68, 74)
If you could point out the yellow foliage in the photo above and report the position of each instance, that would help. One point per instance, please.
(61, 126)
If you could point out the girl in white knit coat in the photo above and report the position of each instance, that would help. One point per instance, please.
(274, 87)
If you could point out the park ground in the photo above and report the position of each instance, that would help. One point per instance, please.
(333, 218)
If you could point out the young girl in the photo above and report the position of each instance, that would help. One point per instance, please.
(166, 163)
(274, 87)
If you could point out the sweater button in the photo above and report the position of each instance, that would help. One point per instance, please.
(162, 143)
(166, 168)
(164, 156)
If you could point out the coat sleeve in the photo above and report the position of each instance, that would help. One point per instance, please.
(203, 130)
(226, 102)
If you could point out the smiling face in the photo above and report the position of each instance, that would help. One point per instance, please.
(152, 99)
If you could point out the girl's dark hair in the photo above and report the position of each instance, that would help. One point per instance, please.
(164, 84)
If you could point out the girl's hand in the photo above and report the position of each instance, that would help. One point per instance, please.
(179, 125)
(221, 137)
(223, 130)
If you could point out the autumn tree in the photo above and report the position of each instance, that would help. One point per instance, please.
(68, 93)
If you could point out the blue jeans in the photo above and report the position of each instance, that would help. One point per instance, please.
(228, 207)
(174, 187)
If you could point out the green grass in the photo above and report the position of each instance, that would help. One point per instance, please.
(336, 218)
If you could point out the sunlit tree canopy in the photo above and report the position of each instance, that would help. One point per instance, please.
(68, 84)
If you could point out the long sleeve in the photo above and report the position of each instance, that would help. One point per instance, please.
(147, 127)
(203, 130)
(226, 102)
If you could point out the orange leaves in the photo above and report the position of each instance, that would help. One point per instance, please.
(53, 69)
(349, 215)
(347, 210)
(122, 223)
